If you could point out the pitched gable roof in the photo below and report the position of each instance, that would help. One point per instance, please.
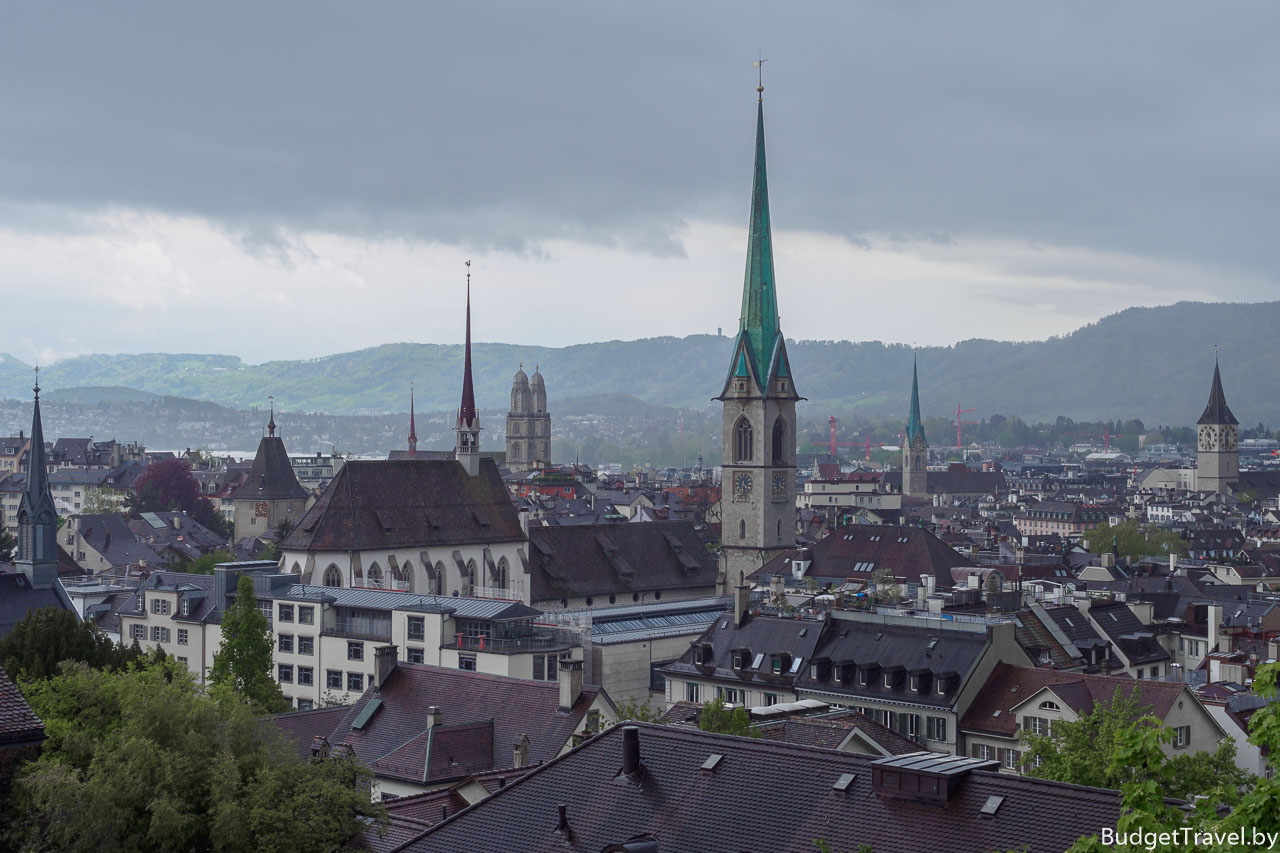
(271, 478)
(858, 550)
(407, 503)
(18, 723)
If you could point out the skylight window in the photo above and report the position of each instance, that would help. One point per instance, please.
(843, 783)
(795, 665)
(759, 659)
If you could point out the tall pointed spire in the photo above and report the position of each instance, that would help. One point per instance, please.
(467, 446)
(467, 411)
(271, 424)
(413, 431)
(38, 465)
(37, 515)
(1217, 411)
(915, 426)
(759, 321)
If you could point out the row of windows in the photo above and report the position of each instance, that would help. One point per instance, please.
(744, 441)
(285, 674)
(333, 680)
(376, 579)
(306, 613)
(305, 644)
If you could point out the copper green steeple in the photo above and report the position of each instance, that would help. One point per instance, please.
(914, 425)
(759, 321)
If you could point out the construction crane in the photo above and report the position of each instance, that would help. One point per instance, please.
(961, 424)
(833, 445)
(1106, 435)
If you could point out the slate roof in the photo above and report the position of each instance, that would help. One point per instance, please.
(1075, 625)
(271, 478)
(407, 503)
(1135, 640)
(829, 731)
(1033, 634)
(761, 796)
(956, 480)
(18, 723)
(856, 551)
(605, 559)
(761, 638)
(482, 717)
(1009, 686)
(1216, 410)
(109, 534)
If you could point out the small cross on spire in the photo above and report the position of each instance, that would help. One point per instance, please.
(759, 66)
(37, 386)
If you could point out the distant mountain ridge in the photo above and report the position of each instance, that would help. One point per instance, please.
(1150, 363)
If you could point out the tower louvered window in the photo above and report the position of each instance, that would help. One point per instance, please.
(743, 439)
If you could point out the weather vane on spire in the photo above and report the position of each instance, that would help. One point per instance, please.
(37, 388)
(759, 66)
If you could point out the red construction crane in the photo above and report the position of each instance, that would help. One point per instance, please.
(1106, 435)
(961, 424)
(834, 446)
(870, 445)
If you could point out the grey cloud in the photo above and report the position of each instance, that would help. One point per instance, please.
(1138, 127)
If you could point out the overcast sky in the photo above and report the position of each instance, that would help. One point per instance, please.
(290, 180)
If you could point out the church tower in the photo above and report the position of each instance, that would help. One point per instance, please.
(528, 422)
(37, 516)
(467, 447)
(915, 448)
(758, 427)
(1217, 452)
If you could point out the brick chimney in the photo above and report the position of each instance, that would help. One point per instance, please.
(570, 677)
(741, 602)
(384, 663)
(433, 716)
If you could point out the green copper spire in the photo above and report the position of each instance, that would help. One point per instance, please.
(759, 321)
(914, 425)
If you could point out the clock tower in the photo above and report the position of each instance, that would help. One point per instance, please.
(1217, 437)
(758, 431)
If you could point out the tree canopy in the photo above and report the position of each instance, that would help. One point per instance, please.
(45, 637)
(145, 760)
(715, 717)
(1132, 539)
(243, 664)
(8, 546)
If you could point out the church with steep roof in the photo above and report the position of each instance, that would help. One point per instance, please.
(758, 427)
(1217, 442)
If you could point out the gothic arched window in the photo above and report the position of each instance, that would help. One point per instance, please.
(779, 441)
(469, 581)
(332, 576)
(437, 580)
(742, 441)
(375, 576)
(515, 453)
(406, 575)
(503, 573)
(742, 528)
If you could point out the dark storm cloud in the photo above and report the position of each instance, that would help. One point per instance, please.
(1139, 127)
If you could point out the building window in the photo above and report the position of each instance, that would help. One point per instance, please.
(1012, 759)
(185, 606)
(1037, 726)
(539, 668)
(306, 615)
(182, 636)
(182, 661)
(467, 663)
(332, 576)
(779, 441)
(355, 681)
(416, 628)
(742, 528)
(690, 692)
(984, 751)
(355, 651)
(138, 632)
(284, 643)
(306, 676)
(286, 613)
(285, 672)
(1181, 736)
(333, 679)
(305, 704)
(742, 441)
(729, 695)
(936, 728)
(160, 606)
(159, 635)
(306, 645)
(416, 655)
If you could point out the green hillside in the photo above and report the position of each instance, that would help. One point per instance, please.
(1150, 363)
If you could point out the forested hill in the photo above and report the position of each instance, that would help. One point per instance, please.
(1150, 363)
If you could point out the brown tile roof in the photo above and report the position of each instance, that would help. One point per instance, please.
(856, 551)
(1008, 686)
(301, 727)
(482, 717)
(606, 559)
(409, 503)
(271, 478)
(760, 796)
(829, 731)
(18, 723)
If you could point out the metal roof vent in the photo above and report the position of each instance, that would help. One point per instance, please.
(991, 806)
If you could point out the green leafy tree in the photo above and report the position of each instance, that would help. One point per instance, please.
(243, 663)
(45, 637)
(639, 712)
(204, 565)
(1132, 539)
(886, 586)
(1069, 753)
(98, 502)
(145, 760)
(8, 546)
(715, 717)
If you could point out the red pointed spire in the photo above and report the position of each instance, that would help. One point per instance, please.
(413, 431)
(467, 416)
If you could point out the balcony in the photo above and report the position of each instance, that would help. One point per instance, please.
(511, 645)
(360, 629)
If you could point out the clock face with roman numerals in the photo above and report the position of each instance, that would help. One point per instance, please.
(742, 484)
(1208, 438)
(779, 484)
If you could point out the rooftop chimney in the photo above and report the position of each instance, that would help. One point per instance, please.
(320, 747)
(570, 682)
(630, 750)
(562, 819)
(741, 601)
(384, 663)
(433, 716)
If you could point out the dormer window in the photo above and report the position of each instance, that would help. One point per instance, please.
(941, 688)
(740, 659)
(141, 602)
(888, 679)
